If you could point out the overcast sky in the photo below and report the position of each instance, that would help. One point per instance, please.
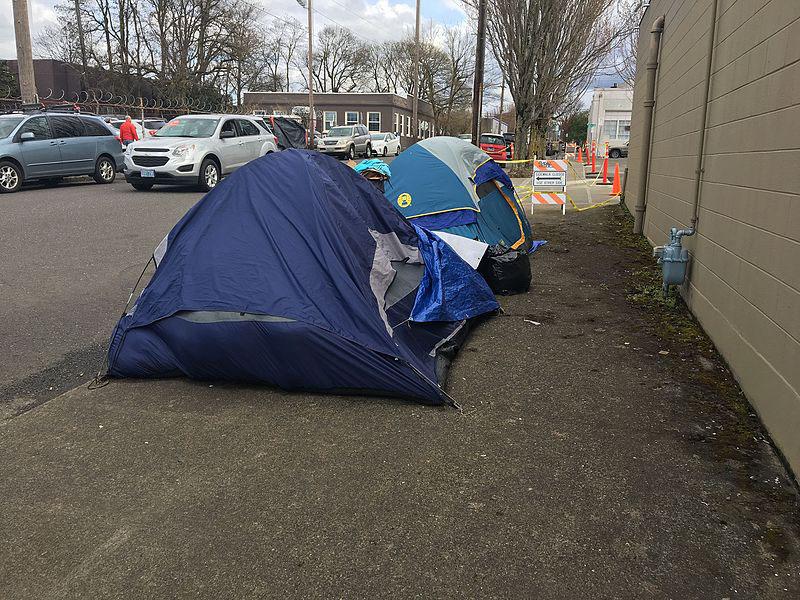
(372, 20)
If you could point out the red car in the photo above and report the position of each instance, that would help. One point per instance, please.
(494, 145)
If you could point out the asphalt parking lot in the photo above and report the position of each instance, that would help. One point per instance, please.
(71, 254)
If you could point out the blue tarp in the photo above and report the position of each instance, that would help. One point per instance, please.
(280, 275)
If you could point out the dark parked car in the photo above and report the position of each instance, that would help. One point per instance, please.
(50, 145)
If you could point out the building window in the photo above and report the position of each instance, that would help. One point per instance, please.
(330, 119)
(408, 126)
(624, 130)
(424, 129)
(617, 130)
(351, 118)
(398, 128)
(374, 121)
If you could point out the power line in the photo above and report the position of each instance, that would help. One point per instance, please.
(370, 23)
(374, 41)
(292, 23)
(323, 15)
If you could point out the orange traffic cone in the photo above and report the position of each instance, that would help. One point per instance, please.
(580, 155)
(594, 166)
(616, 189)
(586, 156)
(605, 180)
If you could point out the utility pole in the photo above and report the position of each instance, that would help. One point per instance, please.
(415, 99)
(477, 85)
(22, 31)
(312, 117)
(81, 42)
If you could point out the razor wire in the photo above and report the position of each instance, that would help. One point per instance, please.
(106, 102)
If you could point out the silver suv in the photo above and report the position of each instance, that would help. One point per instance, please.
(347, 141)
(52, 145)
(196, 150)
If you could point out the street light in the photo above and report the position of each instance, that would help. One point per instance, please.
(312, 120)
(415, 98)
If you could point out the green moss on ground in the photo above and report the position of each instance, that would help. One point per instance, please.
(675, 325)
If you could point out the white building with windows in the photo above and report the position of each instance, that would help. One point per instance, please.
(610, 115)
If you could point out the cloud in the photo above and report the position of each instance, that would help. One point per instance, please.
(374, 21)
(40, 15)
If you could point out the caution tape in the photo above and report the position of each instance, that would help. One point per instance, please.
(591, 206)
(508, 162)
(525, 192)
(571, 166)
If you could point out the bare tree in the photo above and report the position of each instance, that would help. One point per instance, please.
(339, 58)
(180, 47)
(445, 72)
(216, 49)
(248, 60)
(381, 73)
(269, 60)
(549, 51)
(630, 15)
(457, 90)
(288, 36)
(59, 42)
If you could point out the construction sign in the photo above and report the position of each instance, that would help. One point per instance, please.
(551, 175)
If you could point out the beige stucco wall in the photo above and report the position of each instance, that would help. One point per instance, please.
(744, 280)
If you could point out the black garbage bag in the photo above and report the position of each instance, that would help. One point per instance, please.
(506, 271)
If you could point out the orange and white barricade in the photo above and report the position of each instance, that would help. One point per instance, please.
(558, 198)
(549, 183)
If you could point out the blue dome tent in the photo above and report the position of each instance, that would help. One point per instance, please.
(295, 272)
(448, 184)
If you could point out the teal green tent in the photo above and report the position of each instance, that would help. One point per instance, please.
(448, 184)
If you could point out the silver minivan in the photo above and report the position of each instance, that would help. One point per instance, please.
(49, 145)
(347, 141)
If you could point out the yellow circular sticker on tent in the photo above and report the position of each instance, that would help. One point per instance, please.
(404, 200)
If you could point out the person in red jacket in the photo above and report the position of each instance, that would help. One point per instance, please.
(127, 132)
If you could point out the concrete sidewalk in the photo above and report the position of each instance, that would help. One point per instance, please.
(604, 452)
(584, 190)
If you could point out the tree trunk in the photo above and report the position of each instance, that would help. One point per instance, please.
(521, 148)
(538, 137)
(521, 133)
